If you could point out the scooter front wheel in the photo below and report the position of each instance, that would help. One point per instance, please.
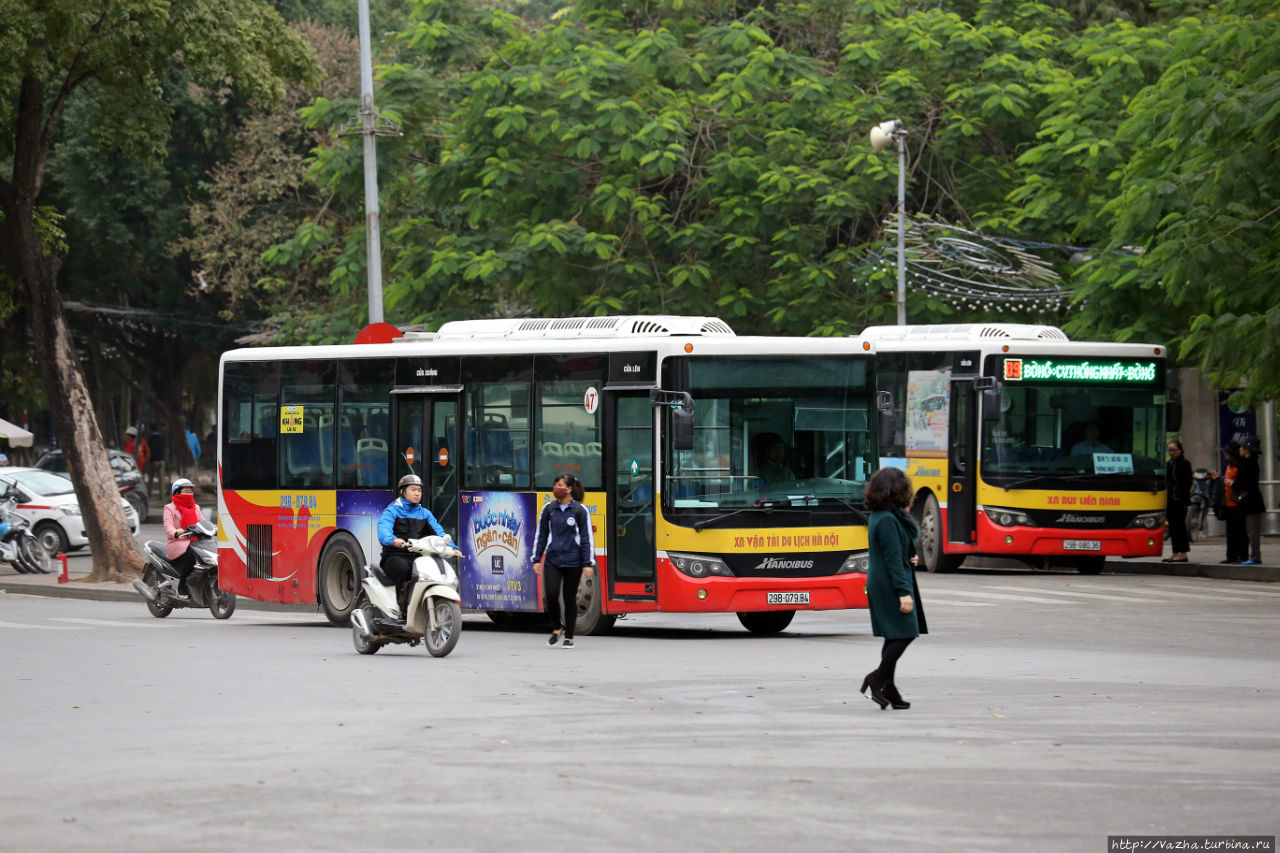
(364, 643)
(441, 638)
(221, 603)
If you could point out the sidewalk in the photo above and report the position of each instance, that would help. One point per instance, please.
(13, 582)
(1202, 562)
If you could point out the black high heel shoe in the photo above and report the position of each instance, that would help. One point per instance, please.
(895, 698)
(874, 691)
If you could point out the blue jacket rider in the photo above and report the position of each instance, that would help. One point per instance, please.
(404, 518)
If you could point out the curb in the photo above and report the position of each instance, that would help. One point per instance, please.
(1261, 574)
(120, 592)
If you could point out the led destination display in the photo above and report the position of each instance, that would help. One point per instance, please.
(1079, 370)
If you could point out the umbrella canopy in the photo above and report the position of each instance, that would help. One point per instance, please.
(18, 437)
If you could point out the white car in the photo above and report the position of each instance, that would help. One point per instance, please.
(50, 502)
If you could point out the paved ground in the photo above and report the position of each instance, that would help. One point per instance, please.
(1051, 710)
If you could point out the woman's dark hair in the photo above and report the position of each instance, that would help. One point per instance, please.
(888, 488)
(1177, 444)
(576, 490)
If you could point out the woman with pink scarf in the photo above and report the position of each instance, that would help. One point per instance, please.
(180, 514)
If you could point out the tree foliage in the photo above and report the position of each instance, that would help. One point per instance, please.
(118, 52)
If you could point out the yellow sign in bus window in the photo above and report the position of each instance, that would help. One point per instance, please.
(290, 419)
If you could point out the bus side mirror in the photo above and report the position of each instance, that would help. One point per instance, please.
(1173, 410)
(886, 421)
(991, 397)
(681, 405)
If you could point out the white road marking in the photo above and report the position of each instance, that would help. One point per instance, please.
(934, 600)
(44, 627)
(1202, 596)
(1073, 593)
(1005, 597)
(155, 623)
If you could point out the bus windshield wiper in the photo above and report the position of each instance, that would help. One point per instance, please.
(764, 506)
(858, 511)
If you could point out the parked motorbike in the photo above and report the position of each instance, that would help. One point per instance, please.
(18, 545)
(159, 582)
(434, 613)
(1198, 504)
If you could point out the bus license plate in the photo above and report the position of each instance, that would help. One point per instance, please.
(788, 598)
(1082, 545)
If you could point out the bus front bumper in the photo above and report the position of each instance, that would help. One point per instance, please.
(679, 593)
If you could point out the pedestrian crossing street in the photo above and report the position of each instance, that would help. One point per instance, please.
(991, 591)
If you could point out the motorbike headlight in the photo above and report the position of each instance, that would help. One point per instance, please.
(70, 509)
(1148, 520)
(700, 565)
(855, 562)
(1007, 517)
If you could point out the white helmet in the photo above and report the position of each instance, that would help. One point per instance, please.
(181, 483)
(408, 480)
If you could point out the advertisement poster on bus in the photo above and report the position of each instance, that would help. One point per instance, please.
(496, 533)
(928, 407)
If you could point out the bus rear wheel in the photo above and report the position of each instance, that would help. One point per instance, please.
(931, 538)
(337, 580)
(774, 622)
(590, 618)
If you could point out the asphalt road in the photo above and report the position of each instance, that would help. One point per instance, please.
(1050, 710)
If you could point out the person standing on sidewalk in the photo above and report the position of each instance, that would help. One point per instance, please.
(1248, 490)
(1237, 535)
(1177, 480)
(897, 613)
(563, 552)
(156, 469)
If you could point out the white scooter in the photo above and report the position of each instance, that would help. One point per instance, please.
(435, 609)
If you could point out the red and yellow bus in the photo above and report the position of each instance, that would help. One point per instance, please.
(723, 473)
(1022, 443)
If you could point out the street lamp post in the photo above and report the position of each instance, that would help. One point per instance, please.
(881, 135)
(370, 124)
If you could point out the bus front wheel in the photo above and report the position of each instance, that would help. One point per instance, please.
(767, 623)
(336, 582)
(931, 538)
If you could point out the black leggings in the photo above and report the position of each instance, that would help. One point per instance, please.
(889, 655)
(561, 577)
(398, 566)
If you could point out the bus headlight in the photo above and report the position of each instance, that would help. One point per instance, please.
(855, 562)
(699, 565)
(1007, 517)
(1149, 520)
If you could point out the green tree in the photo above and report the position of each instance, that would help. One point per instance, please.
(694, 157)
(1158, 148)
(119, 51)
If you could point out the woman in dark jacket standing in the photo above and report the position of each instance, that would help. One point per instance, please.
(897, 614)
(1177, 483)
(563, 551)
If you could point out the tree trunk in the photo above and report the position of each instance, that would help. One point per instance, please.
(115, 553)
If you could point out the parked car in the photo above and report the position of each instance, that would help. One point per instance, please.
(50, 503)
(128, 477)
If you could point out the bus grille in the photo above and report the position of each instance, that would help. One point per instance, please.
(258, 550)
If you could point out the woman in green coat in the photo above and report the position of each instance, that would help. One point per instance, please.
(897, 614)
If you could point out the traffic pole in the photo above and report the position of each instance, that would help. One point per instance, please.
(62, 576)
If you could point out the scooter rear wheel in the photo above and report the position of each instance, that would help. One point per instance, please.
(441, 639)
(152, 579)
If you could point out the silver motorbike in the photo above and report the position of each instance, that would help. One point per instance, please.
(18, 545)
(434, 616)
(160, 580)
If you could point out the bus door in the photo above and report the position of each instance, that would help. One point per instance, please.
(962, 466)
(628, 466)
(426, 444)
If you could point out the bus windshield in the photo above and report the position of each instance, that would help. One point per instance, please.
(775, 429)
(1109, 436)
